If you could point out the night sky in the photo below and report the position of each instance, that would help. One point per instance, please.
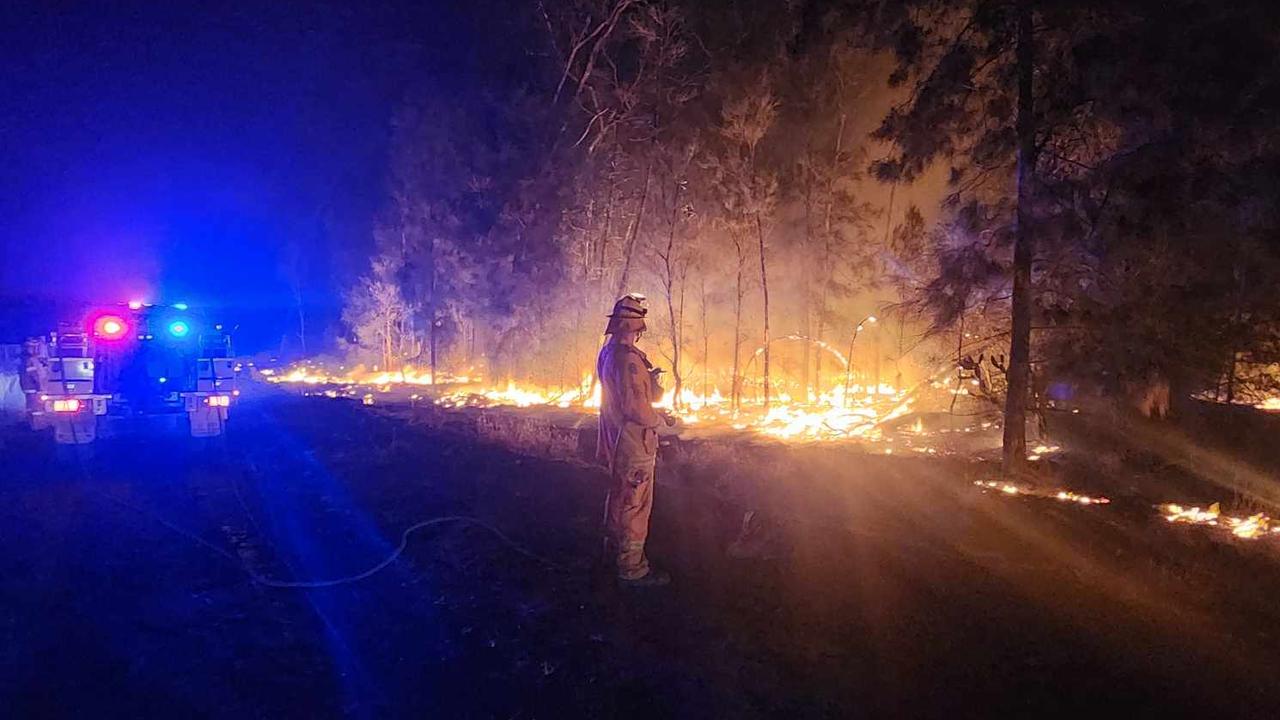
(167, 150)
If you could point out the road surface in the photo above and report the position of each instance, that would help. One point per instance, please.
(127, 589)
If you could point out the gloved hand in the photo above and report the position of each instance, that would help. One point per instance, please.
(670, 425)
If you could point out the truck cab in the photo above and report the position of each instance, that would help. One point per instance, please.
(129, 361)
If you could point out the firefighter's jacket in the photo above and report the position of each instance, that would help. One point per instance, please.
(628, 423)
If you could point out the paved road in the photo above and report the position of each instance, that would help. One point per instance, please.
(126, 591)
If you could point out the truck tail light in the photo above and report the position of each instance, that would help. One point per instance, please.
(110, 327)
(69, 405)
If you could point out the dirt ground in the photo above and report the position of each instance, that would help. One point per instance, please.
(890, 588)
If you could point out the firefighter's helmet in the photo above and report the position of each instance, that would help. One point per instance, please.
(628, 315)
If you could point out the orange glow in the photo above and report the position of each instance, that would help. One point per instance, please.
(1249, 527)
(1028, 491)
(825, 417)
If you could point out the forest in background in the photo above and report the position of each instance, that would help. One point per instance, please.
(1037, 191)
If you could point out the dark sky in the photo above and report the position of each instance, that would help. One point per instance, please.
(166, 149)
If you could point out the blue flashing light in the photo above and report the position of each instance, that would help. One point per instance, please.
(179, 328)
(180, 306)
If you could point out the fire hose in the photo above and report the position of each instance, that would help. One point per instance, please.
(312, 584)
(378, 567)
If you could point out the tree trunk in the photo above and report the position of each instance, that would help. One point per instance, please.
(888, 232)
(888, 216)
(432, 306)
(826, 273)
(706, 342)
(386, 343)
(819, 332)
(635, 231)
(735, 392)
(669, 267)
(302, 320)
(876, 359)
(1231, 378)
(959, 357)
(848, 367)
(673, 331)
(605, 235)
(1015, 409)
(679, 353)
(806, 295)
(806, 331)
(897, 358)
(432, 349)
(764, 290)
(600, 279)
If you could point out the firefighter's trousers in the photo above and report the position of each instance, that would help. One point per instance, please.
(630, 504)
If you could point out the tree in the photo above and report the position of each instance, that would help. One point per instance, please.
(294, 266)
(1055, 118)
(748, 190)
(673, 147)
(824, 179)
(376, 313)
(672, 257)
(960, 58)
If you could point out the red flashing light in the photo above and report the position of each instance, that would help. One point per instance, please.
(110, 327)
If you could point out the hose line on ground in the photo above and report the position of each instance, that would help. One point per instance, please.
(306, 584)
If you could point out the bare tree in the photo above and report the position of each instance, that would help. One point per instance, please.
(376, 312)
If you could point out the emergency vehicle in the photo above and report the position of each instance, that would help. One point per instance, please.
(131, 360)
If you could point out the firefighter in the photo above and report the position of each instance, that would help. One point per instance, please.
(628, 439)
(35, 371)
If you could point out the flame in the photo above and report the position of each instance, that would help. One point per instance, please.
(358, 375)
(1060, 495)
(1267, 403)
(522, 396)
(1040, 451)
(829, 416)
(1251, 527)
(1270, 404)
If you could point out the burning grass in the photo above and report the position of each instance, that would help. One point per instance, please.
(831, 416)
(1068, 496)
(1251, 527)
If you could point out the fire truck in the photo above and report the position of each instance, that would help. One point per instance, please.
(129, 361)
